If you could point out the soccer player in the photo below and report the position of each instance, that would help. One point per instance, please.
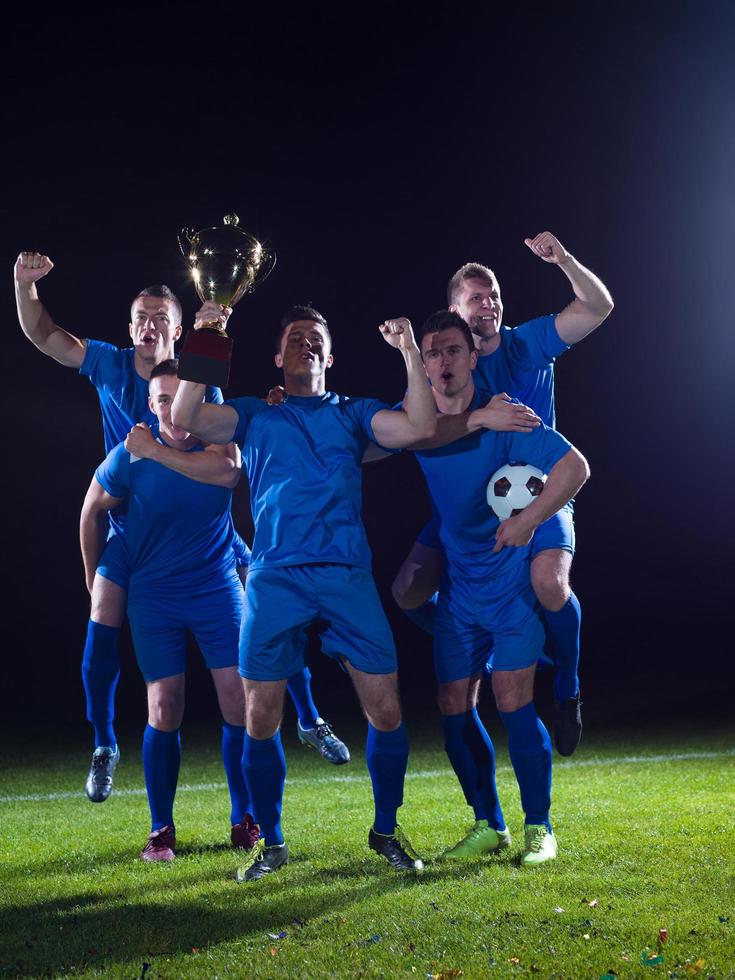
(520, 362)
(311, 561)
(180, 575)
(121, 379)
(486, 603)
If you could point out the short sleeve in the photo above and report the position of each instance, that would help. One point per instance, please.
(113, 473)
(247, 408)
(99, 357)
(540, 340)
(542, 447)
(213, 396)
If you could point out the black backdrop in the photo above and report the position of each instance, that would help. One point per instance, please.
(376, 154)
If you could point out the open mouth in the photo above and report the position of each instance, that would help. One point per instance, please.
(446, 376)
(148, 340)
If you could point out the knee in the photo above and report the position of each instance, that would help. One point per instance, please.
(402, 594)
(262, 722)
(165, 712)
(386, 717)
(453, 702)
(509, 701)
(551, 585)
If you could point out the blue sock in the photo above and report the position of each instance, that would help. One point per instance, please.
(564, 626)
(100, 672)
(472, 755)
(387, 759)
(161, 759)
(264, 766)
(299, 689)
(530, 752)
(424, 616)
(232, 740)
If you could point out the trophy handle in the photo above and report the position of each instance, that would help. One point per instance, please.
(186, 239)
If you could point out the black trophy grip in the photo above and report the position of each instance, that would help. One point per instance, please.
(205, 358)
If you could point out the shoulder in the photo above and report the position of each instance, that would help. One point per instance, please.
(99, 356)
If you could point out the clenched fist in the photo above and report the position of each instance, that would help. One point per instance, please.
(398, 333)
(548, 248)
(32, 266)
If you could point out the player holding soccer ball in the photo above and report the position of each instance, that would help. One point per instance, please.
(486, 602)
(520, 362)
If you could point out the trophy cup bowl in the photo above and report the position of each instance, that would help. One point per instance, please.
(225, 263)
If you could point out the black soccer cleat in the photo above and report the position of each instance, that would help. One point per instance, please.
(568, 725)
(264, 860)
(99, 780)
(396, 849)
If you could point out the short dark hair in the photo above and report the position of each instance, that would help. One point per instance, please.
(445, 320)
(470, 270)
(297, 312)
(162, 292)
(166, 369)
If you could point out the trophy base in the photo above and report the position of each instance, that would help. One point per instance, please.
(205, 358)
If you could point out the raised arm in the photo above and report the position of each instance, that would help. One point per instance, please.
(210, 423)
(565, 479)
(500, 414)
(34, 318)
(592, 302)
(416, 421)
(220, 466)
(93, 527)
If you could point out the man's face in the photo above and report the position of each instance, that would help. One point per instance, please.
(448, 361)
(305, 349)
(479, 304)
(161, 392)
(154, 328)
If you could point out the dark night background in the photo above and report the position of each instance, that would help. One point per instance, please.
(377, 152)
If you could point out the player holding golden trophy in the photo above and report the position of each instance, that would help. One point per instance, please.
(225, 264)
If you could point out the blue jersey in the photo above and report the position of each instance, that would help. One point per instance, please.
(123, 394)
(523, 365)
(179, 532)
(458, 475)
(304, 462)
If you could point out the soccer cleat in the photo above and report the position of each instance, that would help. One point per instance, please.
(245, 834)
(160, 846)
(481, 839)
(263, 860)
(540, 845)
(323, 739)
(99, 780)
(396, 849)
(567, 725)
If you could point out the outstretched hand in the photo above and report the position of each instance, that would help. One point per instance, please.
(503, 415)
(140, 442)
(548, 248)
(32, 266)
(398, 333)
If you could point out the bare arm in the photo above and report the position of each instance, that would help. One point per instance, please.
(500, 414)
(34, 318)
(219, 466)
(592, 302)
(566, 478)
(93, 527)
(416, 421)
(210, 423)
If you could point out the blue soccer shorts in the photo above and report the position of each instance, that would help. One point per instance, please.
(160, 626)
(113, 563)
(282, 602)
(556, 532)
(487, 624)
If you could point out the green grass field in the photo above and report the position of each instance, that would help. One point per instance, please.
(646, 833)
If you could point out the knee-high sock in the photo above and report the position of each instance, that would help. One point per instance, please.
(530, 753)
(264, 767)
(564, 626)
(232, 741)
(424, 616)
(472, 755)
(100, 672)
(299, 689)
(387, 759)
(161, 759)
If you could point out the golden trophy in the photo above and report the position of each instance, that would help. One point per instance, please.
(225, 264)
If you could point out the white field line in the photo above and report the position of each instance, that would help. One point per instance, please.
(621, 760)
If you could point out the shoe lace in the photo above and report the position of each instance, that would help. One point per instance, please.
(535, 839)
(324, 731)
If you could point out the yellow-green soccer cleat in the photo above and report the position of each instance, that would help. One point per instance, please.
(480, 839)
(263, 861)
(540, 846)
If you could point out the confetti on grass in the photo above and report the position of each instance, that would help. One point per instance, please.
(651, 959)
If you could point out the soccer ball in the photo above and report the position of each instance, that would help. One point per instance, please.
(512, 488)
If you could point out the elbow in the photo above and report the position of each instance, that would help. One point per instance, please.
(583, 469)
(233, 478)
